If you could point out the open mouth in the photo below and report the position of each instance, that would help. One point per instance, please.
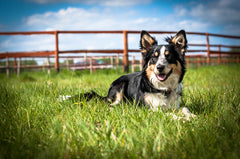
(162, 76)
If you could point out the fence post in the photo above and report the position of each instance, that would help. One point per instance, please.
(67, 63)
(187, 61)
(208, 49)
(117, 61)
(219, 55)
(133, 63)
(199, 61)
(7, 67)
(18, 66)
(43, 68)
(56, 52)
(91, 66)
(125, 52)
(112, 61)
(15, 65)
(85, 60)
(48, 65)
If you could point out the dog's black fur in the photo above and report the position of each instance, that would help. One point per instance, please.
(159, 84)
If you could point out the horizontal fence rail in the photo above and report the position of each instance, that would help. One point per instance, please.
(206, 55)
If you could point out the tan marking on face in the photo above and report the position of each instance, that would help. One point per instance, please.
(176, 69)
(150, 70)
(156, 54)
(166, 52)
(144, 51)
(182, 51)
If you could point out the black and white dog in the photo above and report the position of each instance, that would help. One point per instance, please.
(159, 84)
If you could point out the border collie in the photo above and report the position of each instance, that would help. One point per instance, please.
(159, 84)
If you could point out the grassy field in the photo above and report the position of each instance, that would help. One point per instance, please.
(34, 124)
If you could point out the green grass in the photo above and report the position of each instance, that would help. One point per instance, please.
(34, 124)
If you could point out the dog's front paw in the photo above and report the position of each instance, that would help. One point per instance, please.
(63, 97)
(188, 115)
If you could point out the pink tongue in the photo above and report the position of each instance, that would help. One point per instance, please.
(162, 77)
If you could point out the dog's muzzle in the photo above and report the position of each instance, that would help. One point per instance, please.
(161, 75)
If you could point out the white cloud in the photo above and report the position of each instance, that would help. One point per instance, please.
(106, 19)
(112, 3)
(95, 19)
(191, 25)
(222, 13)
(28, 43)
(218, 14)
(78, 19)
(124, 2)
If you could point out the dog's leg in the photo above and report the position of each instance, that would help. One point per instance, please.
(188, 115)
(183, 114)
(87, 96)
(118, 98)
(64, 97)
(116, 93)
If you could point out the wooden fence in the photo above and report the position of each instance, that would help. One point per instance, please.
(211, 56)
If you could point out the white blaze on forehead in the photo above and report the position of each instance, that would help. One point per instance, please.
(161, 59)
(162, 51)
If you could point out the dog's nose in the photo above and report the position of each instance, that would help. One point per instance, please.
(160, 68)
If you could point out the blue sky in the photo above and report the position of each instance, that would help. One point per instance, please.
(214, 16)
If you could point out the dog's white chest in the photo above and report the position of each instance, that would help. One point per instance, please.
(155, 100)
(158, 101)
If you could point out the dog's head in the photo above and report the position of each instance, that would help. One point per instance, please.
(164, 64)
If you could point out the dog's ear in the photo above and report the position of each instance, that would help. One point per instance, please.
(146, 42)
(180, 41)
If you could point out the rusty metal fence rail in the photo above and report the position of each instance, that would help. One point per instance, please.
(211, 56)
